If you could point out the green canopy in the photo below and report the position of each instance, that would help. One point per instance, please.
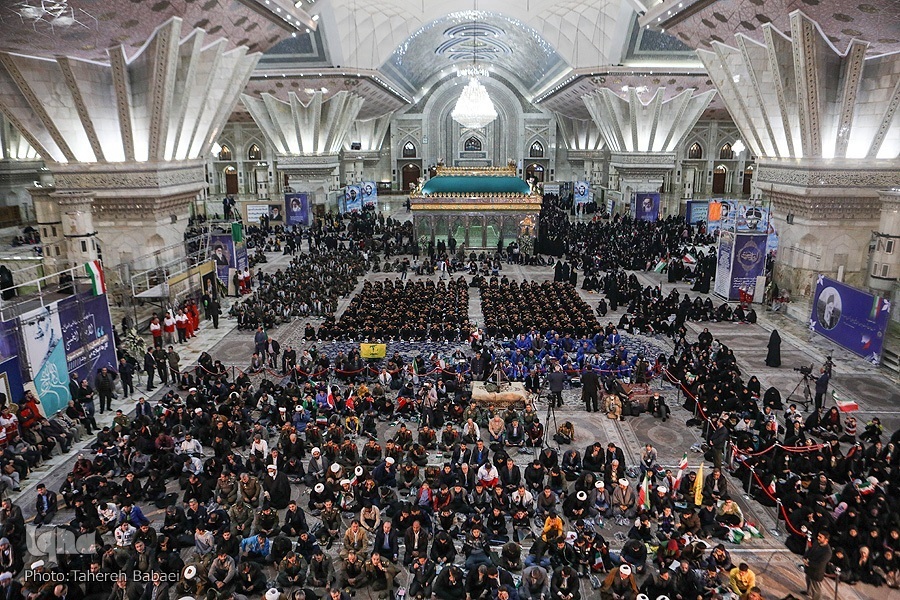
(474, 184)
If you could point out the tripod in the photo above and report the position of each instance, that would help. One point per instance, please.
(550, 416)
(807, 393)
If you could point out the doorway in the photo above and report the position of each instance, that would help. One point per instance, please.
(411, 174)
(231, 180)
(535, 171)
(748, 179)
(719, 176)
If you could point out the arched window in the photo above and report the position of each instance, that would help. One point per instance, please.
(225, 153)
(409, 150)
(473, 144)
(695, 152)
(726, 153)
(254, 153)
(537, 150)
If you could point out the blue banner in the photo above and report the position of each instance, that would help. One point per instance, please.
(11, 384)
(582, 192)
(696, 211)
(855, 319)
(227, 254)
(646, 206)
(87, 335)
(352, 199)
(296, 208)
(42, 335)
(369, 193)
(749, 263)
(724, 263)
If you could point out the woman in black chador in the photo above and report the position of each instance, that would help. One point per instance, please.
(773, 358)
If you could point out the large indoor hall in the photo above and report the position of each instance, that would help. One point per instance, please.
(542, 300)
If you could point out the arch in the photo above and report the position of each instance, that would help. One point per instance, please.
(225, 153)
(725, 152)
(535, 171)
(536, 150)
(473, 144)
(720, 176)
(695, 152)
(409, 150)
(231, 179)
(254, 152)
(410, 174)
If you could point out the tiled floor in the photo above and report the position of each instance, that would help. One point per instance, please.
(776, 568)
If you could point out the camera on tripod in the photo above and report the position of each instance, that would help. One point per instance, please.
(806, 371)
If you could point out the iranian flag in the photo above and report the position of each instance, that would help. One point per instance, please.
(95, 272)
(682, 466)
(644, 493)
(772, 488)
(866, 487)
(330, 398)
(844, 405)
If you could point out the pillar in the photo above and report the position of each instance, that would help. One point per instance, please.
(130, 133)
(307, 137)
(884, 263)
(642, 138)
(20, 167)
(822, 124)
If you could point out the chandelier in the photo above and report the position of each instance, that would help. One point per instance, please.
(474, 108)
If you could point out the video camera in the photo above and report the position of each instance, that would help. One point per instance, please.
(805, 370)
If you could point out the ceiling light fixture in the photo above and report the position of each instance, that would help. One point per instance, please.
(738, 146)
(474, 108)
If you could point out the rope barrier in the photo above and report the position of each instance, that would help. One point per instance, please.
(774, 498)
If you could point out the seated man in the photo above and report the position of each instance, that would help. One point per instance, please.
(613, 406)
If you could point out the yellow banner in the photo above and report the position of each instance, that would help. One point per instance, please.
(372, 350)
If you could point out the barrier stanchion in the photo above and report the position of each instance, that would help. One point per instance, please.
(751, 472)
(776, 531)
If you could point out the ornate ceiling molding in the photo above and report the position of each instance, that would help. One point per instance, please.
(629, 125)
(295, 128)
(806, 99)
(167, 102)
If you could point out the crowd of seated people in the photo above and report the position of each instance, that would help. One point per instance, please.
(404, 310)
(310, 286)
(829, 476)
(511, 307)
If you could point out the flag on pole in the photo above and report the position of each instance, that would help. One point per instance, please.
(95, 272)
(698, 487)
(682, 466)
(644, 493)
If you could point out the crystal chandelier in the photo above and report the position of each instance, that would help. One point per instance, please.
(474, 108)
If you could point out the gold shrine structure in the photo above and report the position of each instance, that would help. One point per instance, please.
(479, 207)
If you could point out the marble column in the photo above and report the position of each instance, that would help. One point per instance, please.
(884, 263)
(584, 144)
(307, 137)
(822, 124)
(368, 136)
(642, 137)
(130, 133)
(20, 167)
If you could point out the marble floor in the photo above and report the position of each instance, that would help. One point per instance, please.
(775, 566)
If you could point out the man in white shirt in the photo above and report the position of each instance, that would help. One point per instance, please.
(190, 446)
